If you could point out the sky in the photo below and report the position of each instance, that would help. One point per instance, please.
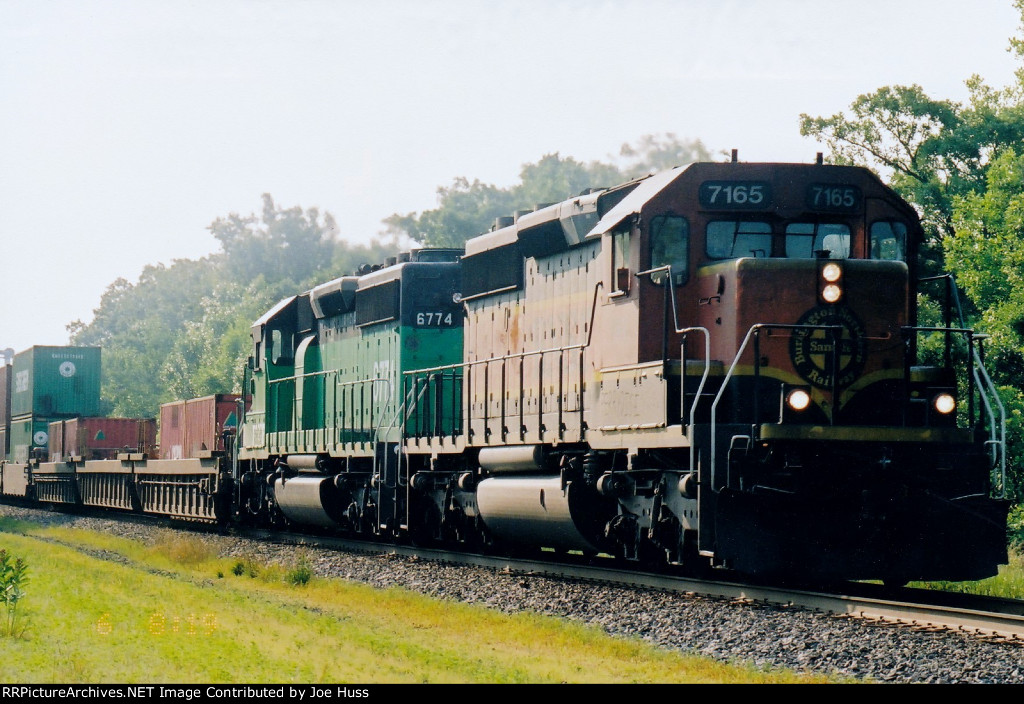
(128, 126)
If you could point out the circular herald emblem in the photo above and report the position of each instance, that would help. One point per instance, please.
(67, 369)
(812, 349)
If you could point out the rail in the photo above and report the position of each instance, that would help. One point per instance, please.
(688, 419)
(980, 375)
(429, 423)
(357, 412)
(979, 382)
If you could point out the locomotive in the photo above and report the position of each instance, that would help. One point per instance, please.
(718, 365)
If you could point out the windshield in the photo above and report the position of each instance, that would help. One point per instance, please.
(731, 239)
(807, 240)
(888, 240)
(728, 239)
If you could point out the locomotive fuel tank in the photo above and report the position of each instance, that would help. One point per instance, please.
(536, 511)
(311, 500)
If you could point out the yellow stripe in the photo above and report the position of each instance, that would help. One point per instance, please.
(867, 433)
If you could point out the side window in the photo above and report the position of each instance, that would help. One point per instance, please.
(670, 246)
(280, 347)
(728, 239)
(804, 240)
(620, 261)
(888, 240)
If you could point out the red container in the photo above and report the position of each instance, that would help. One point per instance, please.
(101, 438)
(190, 428)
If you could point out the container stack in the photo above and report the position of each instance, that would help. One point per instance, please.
(49, 384)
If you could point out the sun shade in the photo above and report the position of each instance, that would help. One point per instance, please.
(631, 204)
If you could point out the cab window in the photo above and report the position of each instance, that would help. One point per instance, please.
(808, 240)
(670, 246)
(620, 261)
(888, 240)
(728, 239)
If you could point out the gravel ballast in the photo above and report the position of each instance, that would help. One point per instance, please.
(765, 636)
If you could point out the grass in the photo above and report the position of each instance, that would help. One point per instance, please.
(1009, 583)
(175, 612)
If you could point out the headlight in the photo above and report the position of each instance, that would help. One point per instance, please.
(831, 273)
(831, 293)
(798, 399)
(944, 404)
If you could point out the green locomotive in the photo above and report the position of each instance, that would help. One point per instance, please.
(329, 405)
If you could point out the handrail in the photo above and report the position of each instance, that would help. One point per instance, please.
(468, 366)
(295, 378)
(988, 393)
(982, 379)
(998, 443)
(986, 388)
(682, 357)
(754, 329)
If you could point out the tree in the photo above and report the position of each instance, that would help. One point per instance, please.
(279, 245)
(961, 165)
(137, 325)
(467, 209)
(901, 132)
(653, 152)
(182, 330)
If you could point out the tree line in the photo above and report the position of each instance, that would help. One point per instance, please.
(181, 330)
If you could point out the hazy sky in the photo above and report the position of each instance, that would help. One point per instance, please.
(127, 127)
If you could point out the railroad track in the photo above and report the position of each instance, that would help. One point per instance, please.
(989, 618)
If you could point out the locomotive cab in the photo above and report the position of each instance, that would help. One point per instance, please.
(829, 449)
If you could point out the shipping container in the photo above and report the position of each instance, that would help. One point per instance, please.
(100, 438)
(29, 438)
(5, 445)
(189, 428)
(5, 395)
(57, 382)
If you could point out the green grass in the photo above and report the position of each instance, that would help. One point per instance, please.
(1009, 583)
(175, 612)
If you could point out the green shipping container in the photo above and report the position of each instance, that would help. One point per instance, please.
(58, 382)
(29, 438)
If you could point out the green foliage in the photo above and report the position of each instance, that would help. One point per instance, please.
(1015, 527)
(182, 331)
(656, 152)
(986, 247)
(282, 245)
(466, 209)
(300, 574)
(961, 165)
(933, 151)
(13, 578)
(246, 566)
(987, 252)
